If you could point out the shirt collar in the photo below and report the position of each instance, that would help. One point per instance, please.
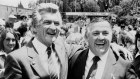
(90, 55)
(102, 58)
(137, 54)
(41, 48)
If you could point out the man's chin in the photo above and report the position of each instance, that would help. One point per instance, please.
(10, 48)
(100, 52)
(54, 38)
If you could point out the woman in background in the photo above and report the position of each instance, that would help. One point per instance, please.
(8, 43)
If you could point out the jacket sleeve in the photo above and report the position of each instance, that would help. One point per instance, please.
(12, 68)
(130, 73)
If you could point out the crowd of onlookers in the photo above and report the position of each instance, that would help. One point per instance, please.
(14, 34)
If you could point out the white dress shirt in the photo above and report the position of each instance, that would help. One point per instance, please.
(41, 49)
(101, 65)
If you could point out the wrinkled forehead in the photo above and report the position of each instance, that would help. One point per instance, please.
(100, 24)
(49, 11)
(53, 17)
(47, 7)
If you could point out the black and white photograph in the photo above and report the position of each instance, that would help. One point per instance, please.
(69, 39)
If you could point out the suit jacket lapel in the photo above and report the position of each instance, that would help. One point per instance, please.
(35, 61)
(80, 63)
(109, 67)
(63, 59)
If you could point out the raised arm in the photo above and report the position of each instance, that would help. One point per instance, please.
(117, 49)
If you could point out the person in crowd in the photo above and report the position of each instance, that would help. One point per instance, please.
(130, 45)
(2, 25)
(22, 31)
(99, 61)
(12, 18)
(8, 43)
(28, 35)
(136, 61)
(116, 31)
(9, 25)
(45, 56)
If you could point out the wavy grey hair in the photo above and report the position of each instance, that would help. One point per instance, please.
(44, 8)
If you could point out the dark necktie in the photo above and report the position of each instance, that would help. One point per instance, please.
(51, 68)
(49, 51)
(93, 67)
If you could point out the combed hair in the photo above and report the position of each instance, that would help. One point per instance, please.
(42, 9)
(95, 20)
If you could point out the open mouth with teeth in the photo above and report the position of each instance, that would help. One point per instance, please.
(51, 32)
(100, 44)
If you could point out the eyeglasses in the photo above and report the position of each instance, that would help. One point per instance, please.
(49, 22)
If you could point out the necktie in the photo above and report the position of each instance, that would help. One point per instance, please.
(49, 51)
(93, 67)
(51, 66)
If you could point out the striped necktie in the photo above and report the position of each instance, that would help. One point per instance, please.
(51, 66)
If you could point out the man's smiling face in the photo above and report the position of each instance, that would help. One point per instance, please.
(48, 28)
(99, 37)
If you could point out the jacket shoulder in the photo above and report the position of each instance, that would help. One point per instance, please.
(19, 52)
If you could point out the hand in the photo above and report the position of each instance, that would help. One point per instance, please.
(118, 48)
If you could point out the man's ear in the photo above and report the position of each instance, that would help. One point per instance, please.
(86, 35)
(86, 39)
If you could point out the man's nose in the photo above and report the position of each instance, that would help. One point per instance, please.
(53, 26)
(101, 36)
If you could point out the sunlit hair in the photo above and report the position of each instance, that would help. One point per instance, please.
(3, 36)
(44, 8)
(95, 20)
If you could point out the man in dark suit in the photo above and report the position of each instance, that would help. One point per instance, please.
(41, 58)
(99, 61)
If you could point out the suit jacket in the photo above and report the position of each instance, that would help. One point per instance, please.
(24, 63)
(116, 67)
(136, 64)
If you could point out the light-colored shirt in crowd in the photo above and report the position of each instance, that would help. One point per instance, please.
(117, 29)
(100, 65)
